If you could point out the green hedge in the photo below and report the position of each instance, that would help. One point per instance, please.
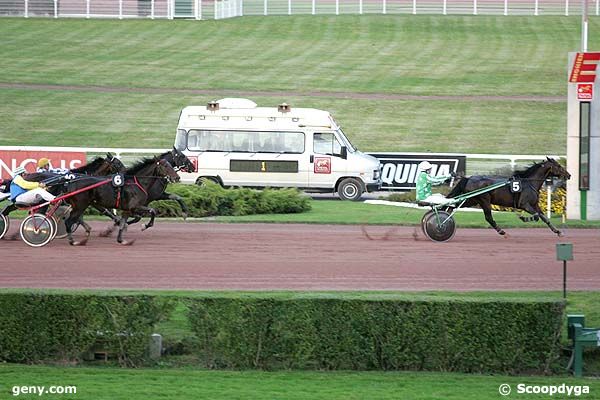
(37, 327)
(303, 332)
(211, 199)
(335, 334)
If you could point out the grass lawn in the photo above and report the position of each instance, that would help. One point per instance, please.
(345, 212)
(54, 118)
(307, 61)
(113, 384)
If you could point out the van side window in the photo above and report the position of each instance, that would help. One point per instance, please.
(326, 143)
(246, 141)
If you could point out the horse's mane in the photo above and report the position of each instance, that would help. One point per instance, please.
(89, 167)
(528, 171)
(140, 165)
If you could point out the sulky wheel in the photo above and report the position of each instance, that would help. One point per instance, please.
(440, 227)
(4, 225)
(37, 230)
(60, 230)
(425, 216)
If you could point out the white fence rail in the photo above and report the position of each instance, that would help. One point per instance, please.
(217, 9)
(476, 163)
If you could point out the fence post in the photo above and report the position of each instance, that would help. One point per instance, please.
(314, 7)
(216, 10)
(198, 9)
(337, 7)
(360, 6)
(289, 7)
(506, 7)
(537, 8)
(566, 8)
(241, 8)
(120, 9)
(265, 12)
(87, 9)
(414, 7)
(55, 8)
(384, 7)
(474, 7)
(26, 9)
(444, 7)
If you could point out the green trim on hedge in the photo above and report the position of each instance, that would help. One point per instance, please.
(334, 334)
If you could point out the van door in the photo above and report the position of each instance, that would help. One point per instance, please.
(327, 164)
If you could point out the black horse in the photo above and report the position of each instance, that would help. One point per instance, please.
(158, 191)
(527, 199)
(129, 194)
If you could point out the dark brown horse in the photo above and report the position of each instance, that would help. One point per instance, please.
(525, 194)
(128, 193)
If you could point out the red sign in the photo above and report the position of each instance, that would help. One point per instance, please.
(11, 159)
(322, 165)
(584, 67)
(585, 91)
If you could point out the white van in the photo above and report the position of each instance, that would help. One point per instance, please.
(235, 143)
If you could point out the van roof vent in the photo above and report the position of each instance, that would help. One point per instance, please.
(233, 102)
(283, 108)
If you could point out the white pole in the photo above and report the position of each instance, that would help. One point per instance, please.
(55, 8)
(87, 8)
(241, 8)
(536, 12)
(26, 9)
(265, 8)
(384, 7)
(474, 7)
(584, 26)
(152, 9)
(566, 8)
(597, 8)
(360, 6)
(314, 7)
(445, 7)
(548, 201)
(289, 7)
(505, 7)
(120, 9)
(337, 7)
(414, 6)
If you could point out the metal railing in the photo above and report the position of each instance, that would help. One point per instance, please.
(217, 9)
(476, 163)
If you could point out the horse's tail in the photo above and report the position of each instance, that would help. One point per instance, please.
(459, 188)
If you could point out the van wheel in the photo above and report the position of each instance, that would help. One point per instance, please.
(350, 189)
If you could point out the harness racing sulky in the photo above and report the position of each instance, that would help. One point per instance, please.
(520, 191)
(104, 184)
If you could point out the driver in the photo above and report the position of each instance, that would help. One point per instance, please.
(424, 182)
(26, 192)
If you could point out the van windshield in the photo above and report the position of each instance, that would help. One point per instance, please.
(181, 139)
(245, 141)
(346, 141)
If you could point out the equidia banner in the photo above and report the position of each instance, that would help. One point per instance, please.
(399, 171)
(11, 159)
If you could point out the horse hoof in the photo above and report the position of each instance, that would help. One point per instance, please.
(127, 243)
(560, 234)
(144, 227)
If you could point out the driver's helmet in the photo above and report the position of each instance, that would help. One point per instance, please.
(424, 166)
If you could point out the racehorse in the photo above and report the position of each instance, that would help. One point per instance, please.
(526, 199)
(179, 162)
(157, 192)
(128, 193)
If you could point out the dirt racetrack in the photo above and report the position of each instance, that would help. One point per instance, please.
(304, 257)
